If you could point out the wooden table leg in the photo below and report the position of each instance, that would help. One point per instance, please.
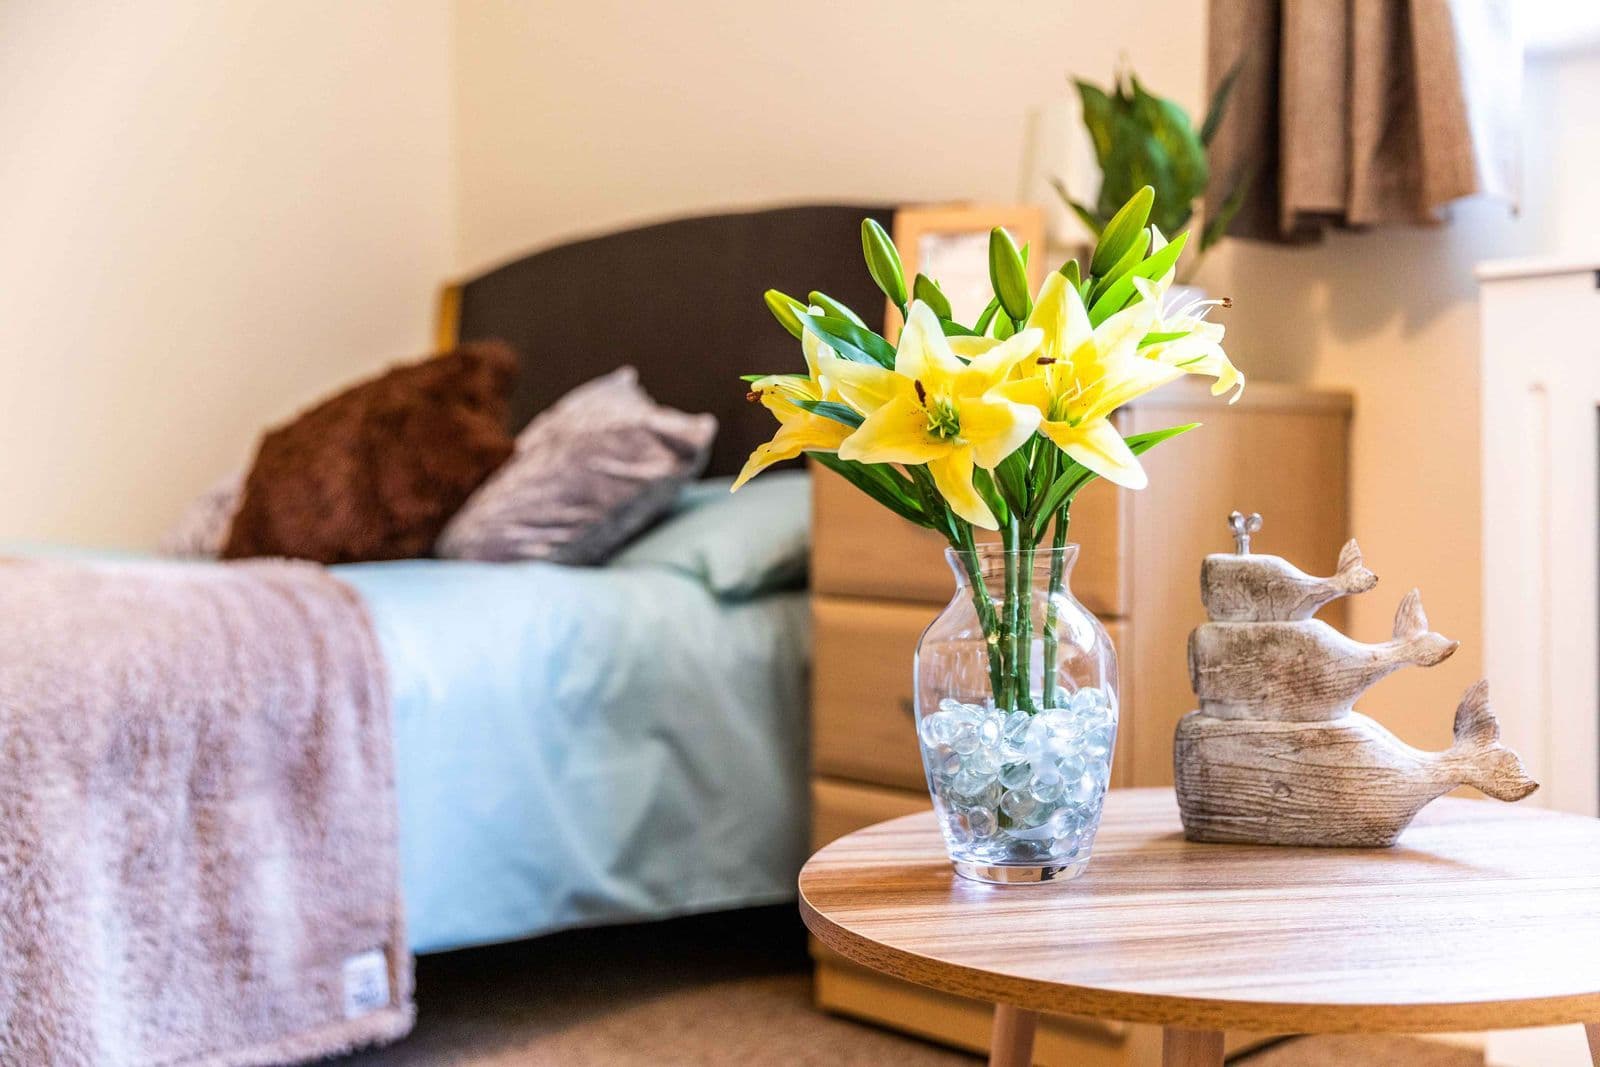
(1592, 1032)
(1011, 1040)
(1191, 1048)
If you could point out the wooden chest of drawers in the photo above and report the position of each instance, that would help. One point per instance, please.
(877, 581)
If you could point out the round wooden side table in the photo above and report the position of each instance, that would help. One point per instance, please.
(1484, 917)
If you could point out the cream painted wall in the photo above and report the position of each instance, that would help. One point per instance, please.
(584, 117)
(209, 215)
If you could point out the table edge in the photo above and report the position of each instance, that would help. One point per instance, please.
(1194, 1012)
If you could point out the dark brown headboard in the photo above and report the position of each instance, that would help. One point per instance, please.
(679, 300)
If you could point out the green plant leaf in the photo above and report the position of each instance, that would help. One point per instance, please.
(1008, 274)
(1219, 103)
(1094, 223)
(1069, 271)
(1099, 117)
(883, 262)
(1217, 227)
(851, 341)
(955, 329)
(1168, 125)
(927, 290)
(786, 309)
(1003, 327)
(1120, 293)
(830, 409)
(833, 308)
(880, 483)
(1122, 231)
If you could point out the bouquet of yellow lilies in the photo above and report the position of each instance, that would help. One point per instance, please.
(997, 425)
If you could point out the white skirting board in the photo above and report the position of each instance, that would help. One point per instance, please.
(1544, 1047)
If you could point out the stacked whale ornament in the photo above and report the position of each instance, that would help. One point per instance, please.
(1276, 753)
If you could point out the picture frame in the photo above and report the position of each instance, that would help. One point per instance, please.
(950, 244)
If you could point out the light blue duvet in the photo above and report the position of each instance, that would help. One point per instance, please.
(588, 745)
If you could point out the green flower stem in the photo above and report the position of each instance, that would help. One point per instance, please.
(967, 551)
(1009, 701)
(1052, 647)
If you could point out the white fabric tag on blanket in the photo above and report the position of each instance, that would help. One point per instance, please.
(366, 983)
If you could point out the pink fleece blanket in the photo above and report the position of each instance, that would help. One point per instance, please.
(197, 818)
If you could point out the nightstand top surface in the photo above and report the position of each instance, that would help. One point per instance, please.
(1484, 916)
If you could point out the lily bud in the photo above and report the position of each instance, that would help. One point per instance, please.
(787, 310)
(927, 290)
(1008, 274)
(883, 262)
(1123, 229)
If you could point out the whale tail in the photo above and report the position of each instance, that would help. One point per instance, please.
(1492, 769)
(1352, 575)
(1423, 647)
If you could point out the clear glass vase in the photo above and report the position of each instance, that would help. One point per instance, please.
(1016, 686)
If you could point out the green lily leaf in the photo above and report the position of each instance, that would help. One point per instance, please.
(1120, 293)
(830, 409)
(1161, 337)
(851, 341)
(1074, 475)
(983, 482)
(834, 309)
(881, 483)
(1122, 267)
(990, 309)
(1011, 478)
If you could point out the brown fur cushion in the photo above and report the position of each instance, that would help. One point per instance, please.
(377, 471)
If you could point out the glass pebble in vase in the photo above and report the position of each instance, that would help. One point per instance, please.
(1016, 698)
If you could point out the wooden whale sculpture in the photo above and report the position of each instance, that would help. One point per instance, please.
(1303, 670)
(1276, 753)
(1248, 588)
(1348, 782)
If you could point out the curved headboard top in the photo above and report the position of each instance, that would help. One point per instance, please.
(681, 301)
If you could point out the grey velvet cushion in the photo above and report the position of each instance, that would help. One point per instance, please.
(587, 475)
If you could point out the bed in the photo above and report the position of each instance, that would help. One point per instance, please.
(579, 746)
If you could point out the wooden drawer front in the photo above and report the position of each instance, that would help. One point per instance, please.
(837, 808)
(859, 548)
(862, 718)
(863, 725)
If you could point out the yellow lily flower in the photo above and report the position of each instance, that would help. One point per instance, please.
(798, 429)
(1199, 350)
(935, 409)
(1082, 373)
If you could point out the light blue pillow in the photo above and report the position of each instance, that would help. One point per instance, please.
(741, 544)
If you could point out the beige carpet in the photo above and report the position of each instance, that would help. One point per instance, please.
(712, 991)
